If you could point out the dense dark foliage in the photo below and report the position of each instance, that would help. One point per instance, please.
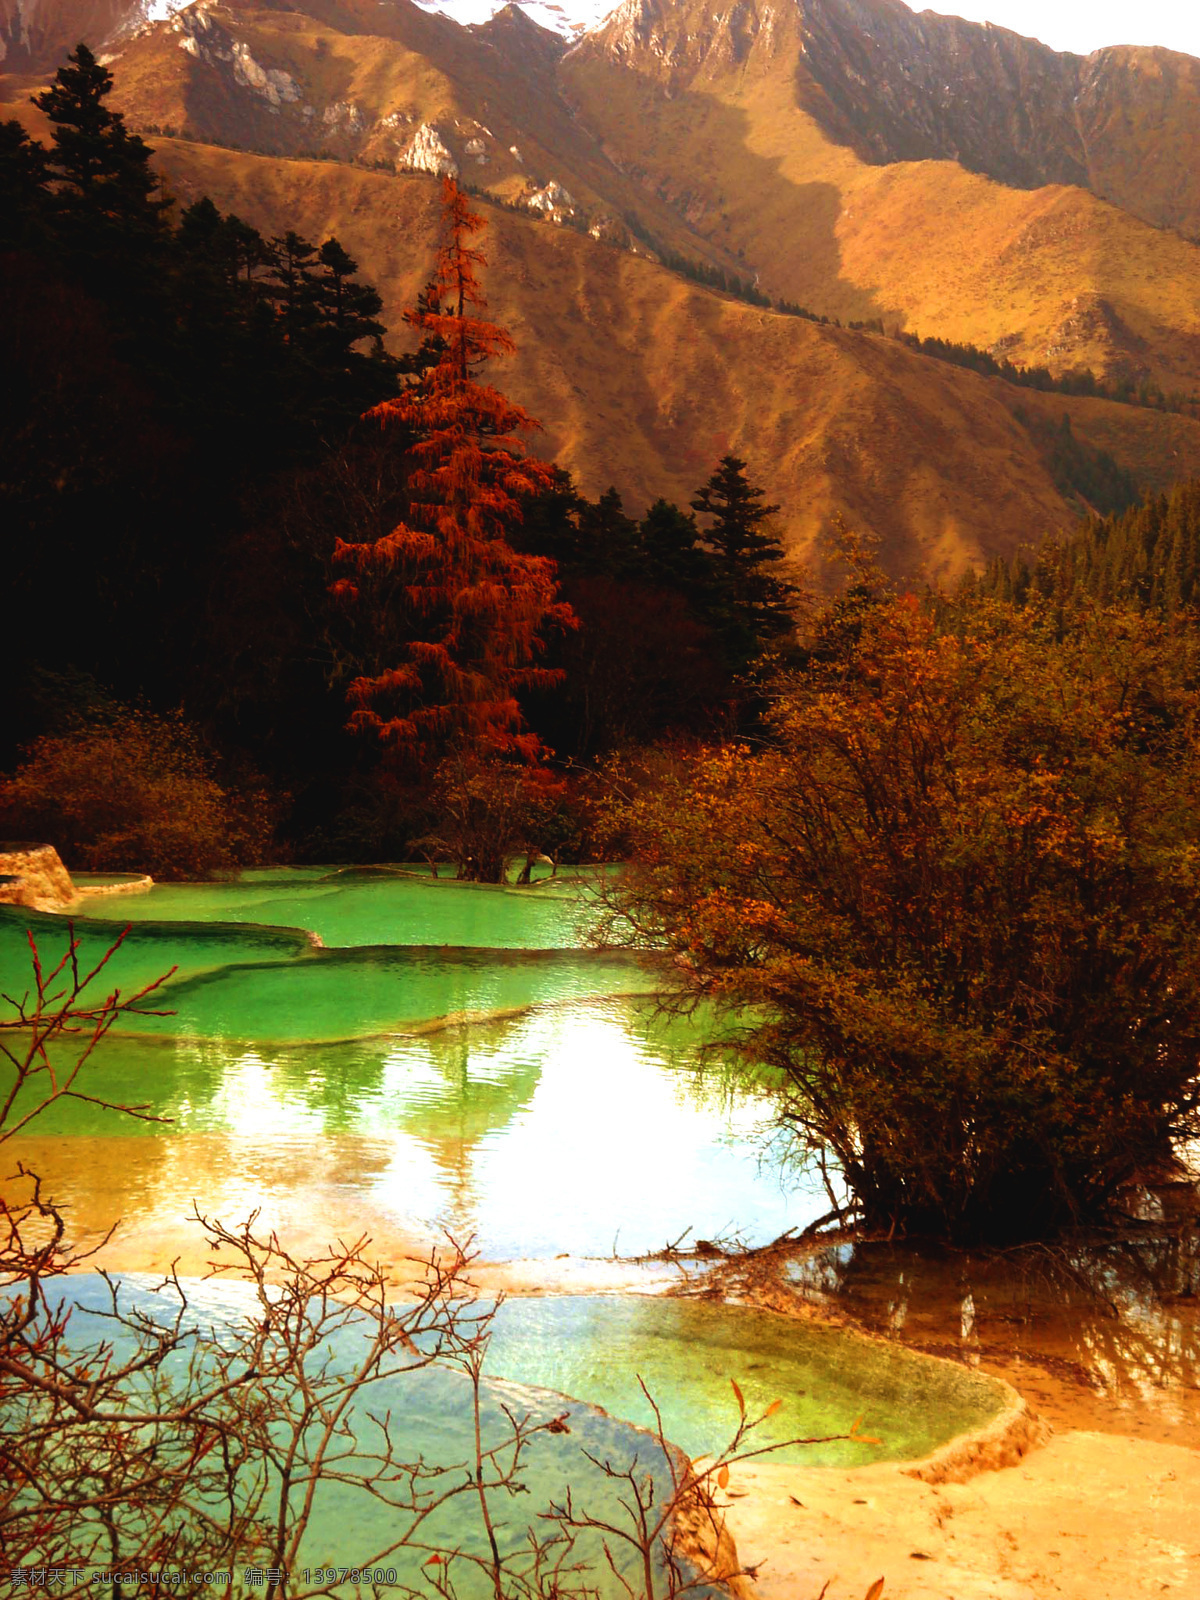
(161, 371)
(673, 613)
(1147, 557)
(1087, 477)
(1081, 381)
(183, 447)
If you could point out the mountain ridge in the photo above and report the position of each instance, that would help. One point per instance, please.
(710, 137)
(643, 380)
(672, 132)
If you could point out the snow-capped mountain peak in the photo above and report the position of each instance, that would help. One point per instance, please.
(570, 20)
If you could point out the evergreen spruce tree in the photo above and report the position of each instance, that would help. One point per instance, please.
(1147, 558)
(351, 309)
(752, 606)
(608, 538)
(325, 317)
(672, 555)
(550, 524)
(24, 181)
(227, 370)
(346, 340)
(110, 212)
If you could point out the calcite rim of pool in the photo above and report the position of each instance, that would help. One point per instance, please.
(999, 1440)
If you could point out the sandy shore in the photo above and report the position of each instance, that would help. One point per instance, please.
(1105, 1507)
(1086, 1516)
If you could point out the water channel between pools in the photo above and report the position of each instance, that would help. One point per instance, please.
(381, 1052)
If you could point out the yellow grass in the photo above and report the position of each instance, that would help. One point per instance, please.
(926, 245)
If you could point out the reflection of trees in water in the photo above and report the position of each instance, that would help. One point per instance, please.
(459, 1083)
(450, 1091)
(477, 1078)
(693, 1041)
(1124, 1311)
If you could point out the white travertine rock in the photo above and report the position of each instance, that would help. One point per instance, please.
(552, 201)
(275, 86)
(427, 152)
(32, 875)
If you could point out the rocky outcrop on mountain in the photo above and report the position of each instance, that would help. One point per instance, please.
(839, 154)
(427, 152)
(875, 76)
(202, 36)
(902, 87)
(552, 201)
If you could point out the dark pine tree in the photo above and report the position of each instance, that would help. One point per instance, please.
(608, 539)
(672, 555)
(110, 213)
(326, 317)
(550, 524)
(24, 180)
(752, 606)
(346, 340)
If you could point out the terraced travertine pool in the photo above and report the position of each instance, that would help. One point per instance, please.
(352, 1051)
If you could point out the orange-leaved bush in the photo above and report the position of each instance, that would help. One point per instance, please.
(475, 610)
(135, 792)
(952, 903)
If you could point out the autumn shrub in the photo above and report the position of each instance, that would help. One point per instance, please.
(491, 809)
(959, 893)
(135, 792)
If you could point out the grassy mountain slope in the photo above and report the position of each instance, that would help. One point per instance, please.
(711, 119)
(644, 380)
(704, 129)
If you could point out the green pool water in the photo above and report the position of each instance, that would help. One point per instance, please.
(331, 995)
(527, 1095)
(563, 1130)
(433, 1419)
(254, 982)
(685, 1352)
(374, 906)
(453, 1058)
(148, 951)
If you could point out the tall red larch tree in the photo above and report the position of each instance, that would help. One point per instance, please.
(476, 610)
